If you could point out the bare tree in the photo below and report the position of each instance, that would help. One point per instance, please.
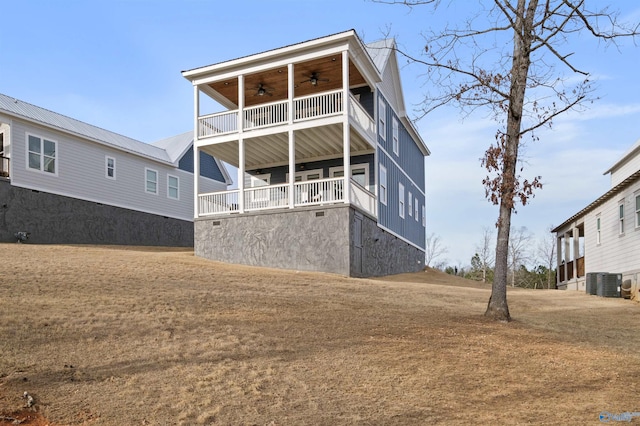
(512, 57)
(486, 252)
(546, 253)
(434, 249)
(519, 250)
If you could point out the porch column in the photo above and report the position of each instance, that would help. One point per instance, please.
(345, 127)
(292, 140)
(241, 146)
(559, 263)
(576, 251)
(567, 255)
(196, 152)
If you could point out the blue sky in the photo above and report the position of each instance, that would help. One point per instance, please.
(116, 64)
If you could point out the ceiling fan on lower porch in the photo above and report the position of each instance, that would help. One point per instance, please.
(314, 79)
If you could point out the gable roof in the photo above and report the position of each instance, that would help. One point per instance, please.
(175, 146)
(634, 177)
(178, 145)
(383, 55)
(26, 111)
(626, 156)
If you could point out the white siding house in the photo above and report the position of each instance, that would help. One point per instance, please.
(605, 235)
(44, 152)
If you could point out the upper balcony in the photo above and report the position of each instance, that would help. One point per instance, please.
(273, 114)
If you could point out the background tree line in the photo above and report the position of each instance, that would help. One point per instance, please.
(531, 260)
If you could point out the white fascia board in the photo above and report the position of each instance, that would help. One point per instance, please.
(256, 66)
(268, 56)
(361, 59)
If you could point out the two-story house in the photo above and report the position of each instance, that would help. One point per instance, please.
(604, 237)
(64, 181)
(334, 170)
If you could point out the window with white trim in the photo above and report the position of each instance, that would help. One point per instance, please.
(598, 231)
(383, 185)
(396, 142)
(110, 167)
(382, 119)
(424, 216)
(151, 181)
(401, 200)
(410, 199)
(359, 173)
(621, 217)
(415, 206)
(637, 211)
(173, 187)
(42, 154)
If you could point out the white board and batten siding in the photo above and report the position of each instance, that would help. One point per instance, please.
(617, 252)
(81, 173)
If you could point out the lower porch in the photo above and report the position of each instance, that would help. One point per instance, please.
(316, 192)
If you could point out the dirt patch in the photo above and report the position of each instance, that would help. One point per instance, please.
(112, 336)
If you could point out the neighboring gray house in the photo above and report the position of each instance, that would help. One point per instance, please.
(605, 235)
(66, 181)
(298, 117)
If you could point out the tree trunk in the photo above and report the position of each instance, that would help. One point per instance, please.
(497, 307)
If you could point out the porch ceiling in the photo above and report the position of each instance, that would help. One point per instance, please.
(328, 70)
(273, 150)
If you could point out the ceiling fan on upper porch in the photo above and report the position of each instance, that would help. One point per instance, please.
(314, 79)
(262, 90)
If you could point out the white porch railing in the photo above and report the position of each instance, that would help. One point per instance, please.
(264, 115)
(319, 191)
(314, 106)
(360, 116)
(218, 124)
(218, 202)
(266, 197)
(362, 198)
(309, 193)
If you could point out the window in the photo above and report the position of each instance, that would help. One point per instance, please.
(401, 200)
(415, 205)
(396, 143)
(637, 211)
(621, 215)
(359, 173)
(42, 154)
(410, 199)
(383, 185)
(382, 119)
(110, 167)
(173, 187)
(598, 230)
(151, 181)
(424, 216)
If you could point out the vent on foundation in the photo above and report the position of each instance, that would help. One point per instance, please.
(319, 214)
(215, 223)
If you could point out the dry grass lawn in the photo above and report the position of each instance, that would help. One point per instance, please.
(144, 336)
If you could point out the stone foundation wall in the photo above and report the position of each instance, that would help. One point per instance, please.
(382, 252)
(336, 239)
(54, 219)
(301, 239)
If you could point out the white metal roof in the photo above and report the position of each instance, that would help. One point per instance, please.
(24, 110)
